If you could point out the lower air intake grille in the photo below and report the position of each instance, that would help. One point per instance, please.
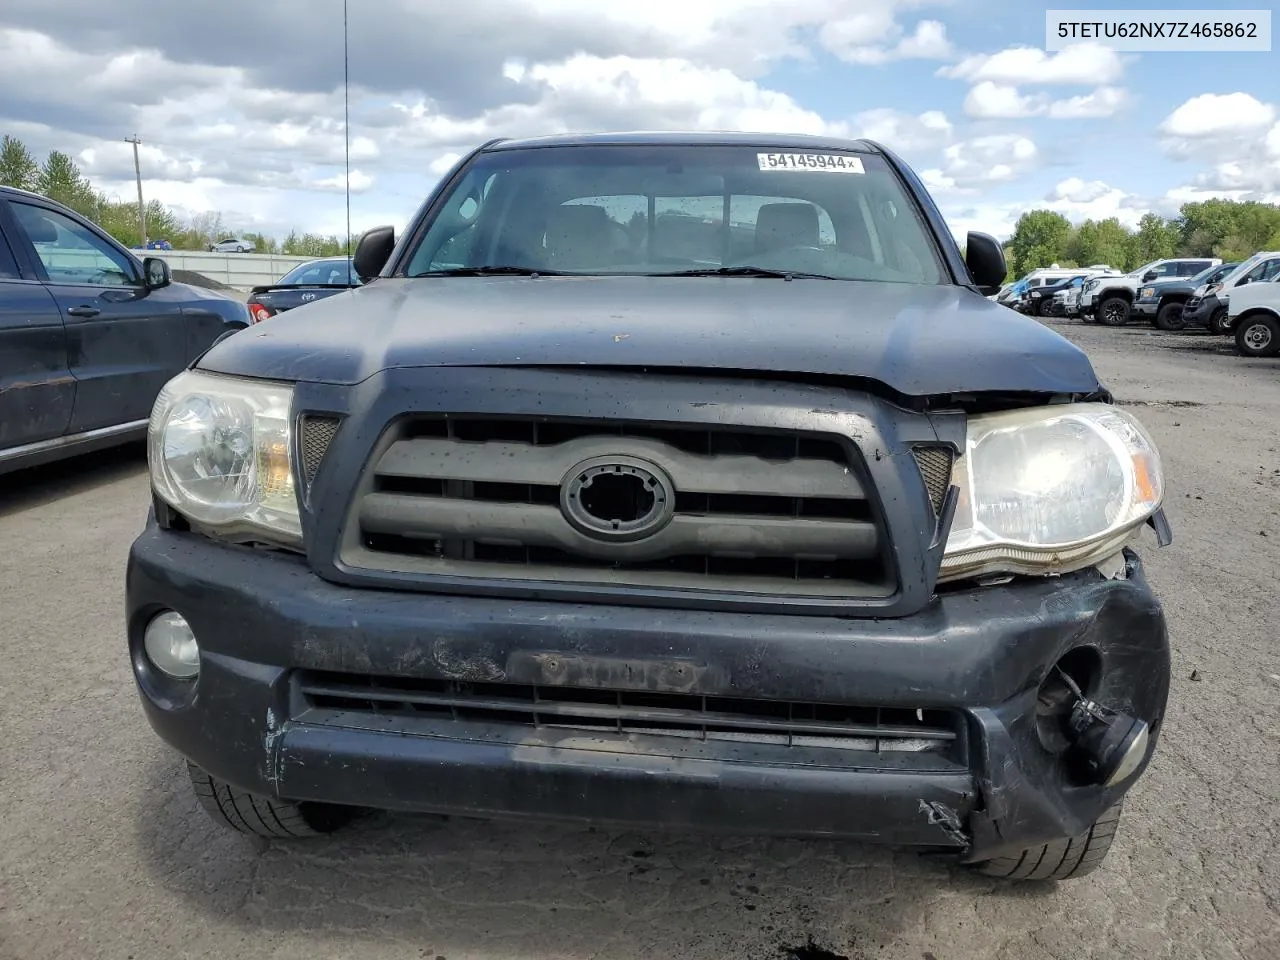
(876, 729)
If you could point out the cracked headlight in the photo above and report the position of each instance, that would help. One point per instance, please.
(219, 451)
(1050, 490)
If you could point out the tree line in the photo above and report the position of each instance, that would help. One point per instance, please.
(60, 179)
(1229, 229)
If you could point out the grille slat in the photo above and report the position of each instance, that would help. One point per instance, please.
(777, 512)
(621, 712)
(444, 518)
(526, 463)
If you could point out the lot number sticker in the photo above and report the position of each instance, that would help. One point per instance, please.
(831, 163)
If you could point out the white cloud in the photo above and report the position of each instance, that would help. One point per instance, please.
(1081, 64)
(868, 38)
(360, 182)
(1235, 135)
(443, 163)
(990, 159)
(997, 101)
(1103, 102)
(903, 132)
(1212, 115)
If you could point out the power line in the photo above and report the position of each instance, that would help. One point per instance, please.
(137, 172)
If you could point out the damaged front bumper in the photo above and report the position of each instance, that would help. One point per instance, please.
(313, 691)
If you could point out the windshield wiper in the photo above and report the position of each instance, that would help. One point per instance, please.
(748, 272)
(498, 271)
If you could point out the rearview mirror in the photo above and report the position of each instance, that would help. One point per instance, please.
(373, 251)
(985, 259)
(156, 273)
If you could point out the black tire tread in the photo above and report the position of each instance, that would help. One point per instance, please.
(1061, 859)
(248, 813)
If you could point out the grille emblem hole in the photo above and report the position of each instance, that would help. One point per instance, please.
(617, 498)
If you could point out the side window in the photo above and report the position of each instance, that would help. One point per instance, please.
(8, 265)
(1165, 270)
(70, 252)
(1264, 271)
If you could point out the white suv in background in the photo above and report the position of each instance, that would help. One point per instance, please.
(1109, 300)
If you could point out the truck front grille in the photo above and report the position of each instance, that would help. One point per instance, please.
(785, 723)
(623, 504)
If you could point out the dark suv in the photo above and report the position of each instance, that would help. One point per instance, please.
(665, 479)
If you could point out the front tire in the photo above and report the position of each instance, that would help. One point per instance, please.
(1170, 317)
(1219, 323)
(261, 816)
(1258, 335)
(1062, 859)
(1113, 312)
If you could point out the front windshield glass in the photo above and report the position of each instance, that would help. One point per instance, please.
(668, 210)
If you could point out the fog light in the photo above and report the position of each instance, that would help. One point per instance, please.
(1114, 744)
(171, 646)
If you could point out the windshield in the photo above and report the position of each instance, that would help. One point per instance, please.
(669, 210)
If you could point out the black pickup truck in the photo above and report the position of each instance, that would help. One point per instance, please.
(305, 283)
(88, 333)
(666, 479)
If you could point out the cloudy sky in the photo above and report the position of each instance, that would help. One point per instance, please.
(239, 102)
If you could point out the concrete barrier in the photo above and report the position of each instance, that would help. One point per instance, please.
(239, 270)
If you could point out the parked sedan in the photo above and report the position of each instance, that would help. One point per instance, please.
(233, 245)
(306, 283)
(89, 334)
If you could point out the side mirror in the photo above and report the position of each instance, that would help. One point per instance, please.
(156, 273)
(373, 251)
(985, 259)
(1243, 280)
(1149, 276)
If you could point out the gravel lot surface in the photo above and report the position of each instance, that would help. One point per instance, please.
(104, 854)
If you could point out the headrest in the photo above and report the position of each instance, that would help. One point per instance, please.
(780, 225)
(579, 237)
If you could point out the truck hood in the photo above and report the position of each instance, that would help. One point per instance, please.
(918, 340)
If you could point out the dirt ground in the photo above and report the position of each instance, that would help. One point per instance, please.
(104, 854)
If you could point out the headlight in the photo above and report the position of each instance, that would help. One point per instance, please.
(219, 449)
(1148, 293)
(1050, 490)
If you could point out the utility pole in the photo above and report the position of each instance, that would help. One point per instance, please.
(137, 171)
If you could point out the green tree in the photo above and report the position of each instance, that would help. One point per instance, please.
(61, 180)
(18, 168)
(1039, 239)
(1156, 239)
(1102, 241)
